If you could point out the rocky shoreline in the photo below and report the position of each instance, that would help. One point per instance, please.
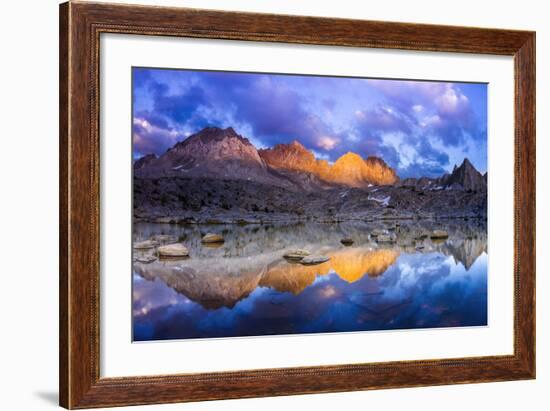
(283, 219)
(178, 200)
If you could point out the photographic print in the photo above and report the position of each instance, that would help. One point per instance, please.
(277, 204)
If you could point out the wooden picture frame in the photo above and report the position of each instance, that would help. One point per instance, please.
(80, 27)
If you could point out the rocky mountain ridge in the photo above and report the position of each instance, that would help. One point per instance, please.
(219, 176)
(222, 153)
(349, 170)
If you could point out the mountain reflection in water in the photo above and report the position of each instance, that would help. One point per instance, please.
(245, 287)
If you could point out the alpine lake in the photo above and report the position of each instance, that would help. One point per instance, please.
(387, 276)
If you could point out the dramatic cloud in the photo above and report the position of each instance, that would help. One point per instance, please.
(152, 137)
(418, 127)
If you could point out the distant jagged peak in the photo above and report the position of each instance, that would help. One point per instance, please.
(467, 176)
(465, 166)
(466, 163)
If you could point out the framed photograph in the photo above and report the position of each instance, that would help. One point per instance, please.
(259, 205)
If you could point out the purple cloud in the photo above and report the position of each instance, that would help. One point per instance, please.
(151, 134)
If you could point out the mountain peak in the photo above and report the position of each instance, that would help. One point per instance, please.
(467, 176)
(348, 158)
(292, 156)
(213, 131)
(212, 151)
(466, 163)
(230, 130)
(297, 144)
(351, 169)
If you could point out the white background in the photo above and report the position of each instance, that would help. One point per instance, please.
(121, 358)
(29, 205)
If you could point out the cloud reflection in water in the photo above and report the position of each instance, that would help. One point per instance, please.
(358, 290)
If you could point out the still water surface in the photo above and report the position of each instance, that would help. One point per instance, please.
(244, 287)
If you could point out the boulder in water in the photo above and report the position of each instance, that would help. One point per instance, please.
(173, 250)
(145, 245)
(296, 254)
(212, 238)
(439, 234)
(314, 260)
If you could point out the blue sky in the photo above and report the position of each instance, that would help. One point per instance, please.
(420, 128)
